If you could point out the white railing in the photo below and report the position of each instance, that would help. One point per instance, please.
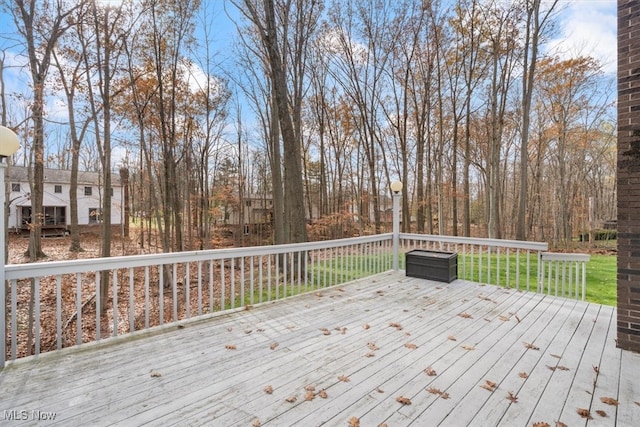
(563, 274)
(510, 263)
(52, 305)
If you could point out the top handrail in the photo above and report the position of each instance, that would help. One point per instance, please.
(502, 243)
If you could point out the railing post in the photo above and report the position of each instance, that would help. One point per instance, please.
(9, 144)
(396, 188)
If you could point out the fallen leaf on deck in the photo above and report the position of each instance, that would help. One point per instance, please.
(403, 400)
(396, 325)
(637, 403)
(155, 374)
(291, 399)
(584, 413)
(256, 423)
(229, 329)
(366, 326)
(465, 315)
(609, 401)
(517, 318)
(307, 306)
(247, 307)
(523, 375)
(601, 413)
(319, 295)
(468, 347)
(310, 387)
(406, 334)
(354, 422)
(561, 424)
(562, 368)
(512, 397)
(344, 379)
(379, 390)
(486, 319)
(323, 394)
(291, 327)
(268, 389)
(444, 395)
(273, 345)
(489, 385)
(383, 425)
(451, 338)
(340, 290)
(531, 346)
(230, 347)
(343, 330)
(410, 345)
(596, 369)
(556, 356)
(260, 330)
(370, 354)
(310, 395)
(430, 371)
(541, 424)
(553, 368)
(372, 346)
(504, 318)
(325, 331)
(434, 390)
(248, 331)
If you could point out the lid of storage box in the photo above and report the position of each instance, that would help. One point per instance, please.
(431, 254)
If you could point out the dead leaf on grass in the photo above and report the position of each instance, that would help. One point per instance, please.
(403, 400)
(609, 401)
(344, 379)
(430, 371)
(354, 422)
(512, 397)
(230, 347)
(523, 375)
(410, 345)
(268, 389)
(584, 413)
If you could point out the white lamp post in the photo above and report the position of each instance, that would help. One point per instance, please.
(9, 144)
(396, 188)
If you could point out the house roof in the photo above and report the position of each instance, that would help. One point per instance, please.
(60, 176)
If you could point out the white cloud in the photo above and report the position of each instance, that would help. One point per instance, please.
(588, 28)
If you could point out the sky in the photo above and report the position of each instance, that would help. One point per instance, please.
(585, 27)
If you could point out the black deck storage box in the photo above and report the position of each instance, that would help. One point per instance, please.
(432, 265)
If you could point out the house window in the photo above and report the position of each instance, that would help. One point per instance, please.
(95, 215)
(57, 188)
(15, 187)
(87, 191)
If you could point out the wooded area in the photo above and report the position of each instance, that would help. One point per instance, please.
(327, 102)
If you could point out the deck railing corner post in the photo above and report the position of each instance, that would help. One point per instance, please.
(395, 191)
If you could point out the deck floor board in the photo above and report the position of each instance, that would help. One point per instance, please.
(409, 326)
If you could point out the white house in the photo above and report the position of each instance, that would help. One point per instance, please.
(57, 207)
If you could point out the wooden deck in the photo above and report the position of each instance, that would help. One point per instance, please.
(547, 356)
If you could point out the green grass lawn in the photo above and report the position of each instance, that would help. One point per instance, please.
(602, 279)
